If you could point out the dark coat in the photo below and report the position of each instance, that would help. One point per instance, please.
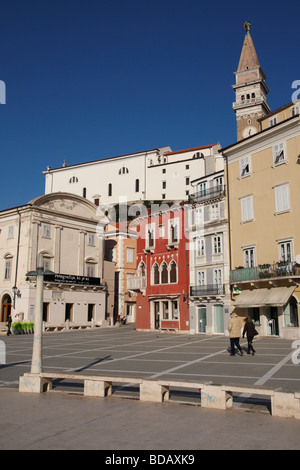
(249, 329)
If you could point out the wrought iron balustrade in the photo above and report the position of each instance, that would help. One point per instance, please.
(207, 289)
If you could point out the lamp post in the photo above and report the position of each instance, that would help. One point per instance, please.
(36, 363)
(15, 291)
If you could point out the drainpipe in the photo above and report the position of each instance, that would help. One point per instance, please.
(229, 218)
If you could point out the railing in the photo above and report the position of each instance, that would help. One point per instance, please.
(208, 289)
(136, 283)
(207, 194)
(264, 271)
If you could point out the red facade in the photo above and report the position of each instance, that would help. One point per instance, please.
(162, 272)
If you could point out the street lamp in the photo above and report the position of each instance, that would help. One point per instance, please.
(36, 363)
(15, 291)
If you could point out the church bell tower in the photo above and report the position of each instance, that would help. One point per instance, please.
(250, 90)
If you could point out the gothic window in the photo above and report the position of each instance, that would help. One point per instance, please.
(155, 274)
(173, 272)
(164, 273)
(74, 179)
(123, 170)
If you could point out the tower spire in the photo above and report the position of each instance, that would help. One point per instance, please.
(250, 89)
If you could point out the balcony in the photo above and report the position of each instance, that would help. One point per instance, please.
(207, 290)
(136, 283)
(208, 194)
(264, 271)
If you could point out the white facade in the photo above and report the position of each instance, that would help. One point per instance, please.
(62, 233)
(150, 175)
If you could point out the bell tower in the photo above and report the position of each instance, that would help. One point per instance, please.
(250, 90)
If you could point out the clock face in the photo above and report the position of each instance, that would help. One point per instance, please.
(250, 130)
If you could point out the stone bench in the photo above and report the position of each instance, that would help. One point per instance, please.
(159, 390)
(94, 385)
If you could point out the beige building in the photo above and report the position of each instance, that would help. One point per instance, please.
(120, 248)
(263, 174)
(64, 234)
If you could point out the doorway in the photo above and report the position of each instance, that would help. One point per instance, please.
(46, 311)
(272, 321)
(218, 319)
(5, 308)
(201, 319)
(69, 312)
(91, 312)
(156, 315)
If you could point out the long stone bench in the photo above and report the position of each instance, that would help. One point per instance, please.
(283, 404)
(94, 386)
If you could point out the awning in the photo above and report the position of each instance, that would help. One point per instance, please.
(275, 297)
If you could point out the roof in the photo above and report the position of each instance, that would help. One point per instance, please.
(248, 59)
(193, 149)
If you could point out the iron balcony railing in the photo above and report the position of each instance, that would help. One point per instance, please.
(264, 271)
(208, 289)
(207, 194)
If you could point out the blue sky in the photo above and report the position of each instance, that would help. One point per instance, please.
(91, 79)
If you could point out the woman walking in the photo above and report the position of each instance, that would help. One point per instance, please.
(249, 330)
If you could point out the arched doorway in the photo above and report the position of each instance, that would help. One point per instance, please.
(5, 308)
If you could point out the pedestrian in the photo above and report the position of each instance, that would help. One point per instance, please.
(250, 331)
(234, 328)
(9, 322)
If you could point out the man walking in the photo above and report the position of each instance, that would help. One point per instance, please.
(234, 328)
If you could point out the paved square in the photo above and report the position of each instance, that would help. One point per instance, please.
(123, 351)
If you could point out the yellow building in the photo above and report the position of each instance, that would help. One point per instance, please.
(263, 181)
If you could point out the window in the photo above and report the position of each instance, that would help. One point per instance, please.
(187, 180)
(173, 272)
(150, 234)
(201, 188)
(200, 280)
(279, 154)
(214, 211)
(217, 244)
(282, 198)
(295, 110)
(199, 216)
(164, 170)
(130, 255)
(161, 231)
(74, 179)
(91, 239)
(174, 230)
(7, 272)
(164, 273)
(273, 121)
(165, 305)
(137, 185)
(109, 192)
(10, 232)
(155, 273)
(90, 270)
(285, 251)
(46, 231)
(123, 171)
(174, 304)
(200, 247)
(84, 192)
(164, 184)
(247, 208)
(218, 277)
(187, 167)
(249, 257)
(245, 166)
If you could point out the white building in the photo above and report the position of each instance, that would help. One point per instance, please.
(209, 299)
(63, 233)
(150, 175)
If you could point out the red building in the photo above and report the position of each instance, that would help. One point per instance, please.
(162, 271)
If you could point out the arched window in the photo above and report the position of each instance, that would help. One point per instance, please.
(74, 179)
(5, 308)
(110, 189)
(173, 271)
(155, 273)
(123, 171)
(84, 192)
(137, 185)
(142, 269)
(164, 273)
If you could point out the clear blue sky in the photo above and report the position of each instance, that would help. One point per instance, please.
(91, 79)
